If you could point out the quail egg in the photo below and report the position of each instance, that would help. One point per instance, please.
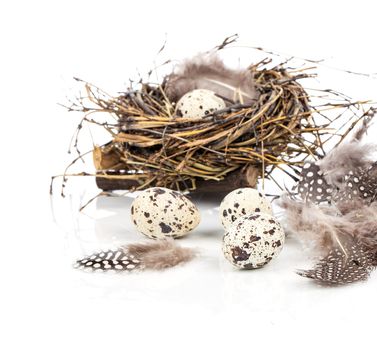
(199, 103)
(253, 240)
(160, 212)
(240, 202)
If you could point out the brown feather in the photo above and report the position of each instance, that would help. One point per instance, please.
(347, 157)
(317, 227)
(207, 71)
(326, 228)
(158, 255)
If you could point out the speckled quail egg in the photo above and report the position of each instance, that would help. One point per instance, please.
(199, 103)
(253, 240)
(240, 202)
(160, 212)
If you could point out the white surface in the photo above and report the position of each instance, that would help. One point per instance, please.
(45, 304)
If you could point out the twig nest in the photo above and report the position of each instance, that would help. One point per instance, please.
(253, 240)
(242, 201)
(160, 212)
(199, 103)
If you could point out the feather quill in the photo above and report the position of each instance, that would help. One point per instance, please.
(317, 227)
(207, 71)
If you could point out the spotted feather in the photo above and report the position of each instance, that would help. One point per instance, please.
(360, 184)
(357, 184)
(156, 255)
(341, 266)
(313, 186)
(116, 260)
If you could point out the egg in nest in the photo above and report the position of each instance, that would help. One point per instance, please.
(253, 240)
(160, 212)
(199, 103)
(240, 202)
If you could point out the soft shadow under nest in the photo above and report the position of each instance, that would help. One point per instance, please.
(151, 146)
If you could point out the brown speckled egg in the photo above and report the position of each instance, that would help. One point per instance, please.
(199, 103)
(240, 202)
(253, 240)
(159, 212)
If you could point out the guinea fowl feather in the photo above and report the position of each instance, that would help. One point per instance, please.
(207, 71)
(350, 265)
(156, 255)
(347, 173)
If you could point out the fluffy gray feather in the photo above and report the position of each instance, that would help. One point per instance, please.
(207, 71)
(329, 227)
(348, 156)
(161, 254)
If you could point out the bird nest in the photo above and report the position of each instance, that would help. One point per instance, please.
(152, 145)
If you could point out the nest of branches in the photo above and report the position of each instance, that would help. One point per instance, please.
(153, 146)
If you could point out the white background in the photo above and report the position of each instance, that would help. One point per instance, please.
(45, 304)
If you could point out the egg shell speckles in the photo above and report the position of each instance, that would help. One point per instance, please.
(199, 103)
(253, 240)
(241, 202)
(160, 212)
